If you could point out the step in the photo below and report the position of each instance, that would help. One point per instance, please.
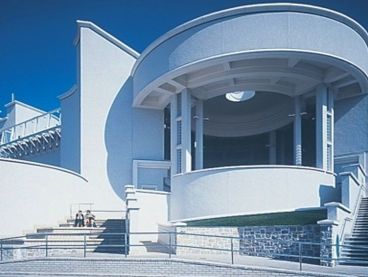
(71, 229)
(360, 256)
(100, 220)
(66, 241)
(354, 235)
(356, 243)
(355, 240)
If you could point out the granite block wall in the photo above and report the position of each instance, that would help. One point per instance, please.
(280, 242)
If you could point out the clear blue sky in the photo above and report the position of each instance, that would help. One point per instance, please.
(37, 56)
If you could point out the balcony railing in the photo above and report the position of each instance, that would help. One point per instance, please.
(31, 126)
(31, 136)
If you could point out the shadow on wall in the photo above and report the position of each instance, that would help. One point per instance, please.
(347, 105)
(328, 194)
(118, 139)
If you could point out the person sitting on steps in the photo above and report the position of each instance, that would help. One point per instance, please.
(90, 219)
(79, 219)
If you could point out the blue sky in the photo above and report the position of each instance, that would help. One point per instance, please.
(37, 56)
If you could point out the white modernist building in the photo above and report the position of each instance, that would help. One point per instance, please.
(252, 110)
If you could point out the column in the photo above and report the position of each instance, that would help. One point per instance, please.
(297, 131)
(199, 135)
(272, 148)
(186, 136)
(173, 134)
(324, 128)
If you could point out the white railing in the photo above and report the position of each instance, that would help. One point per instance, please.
(31, 126)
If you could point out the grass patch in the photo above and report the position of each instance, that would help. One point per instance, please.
(284, 218)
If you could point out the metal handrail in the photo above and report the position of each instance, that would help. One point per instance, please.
(83, 244)
(79, 207)
(354, 214)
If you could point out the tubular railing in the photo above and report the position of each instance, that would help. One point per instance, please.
(75, 207)
(31, 126)
(354, 213)
(91, 240)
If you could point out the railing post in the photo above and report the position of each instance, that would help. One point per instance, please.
(232, 251)
(126, 244)
(170, 245)
(47, 246)
(85, 246)
(300, 256)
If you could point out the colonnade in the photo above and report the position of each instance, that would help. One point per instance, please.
(181, 148)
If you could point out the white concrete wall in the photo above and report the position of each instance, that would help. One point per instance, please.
(112, 133)
(249, 190)
(350, 190)
(38, 195)
(49, 156)
(147, 210)
(70, 122)
(153, 210)
(104, 71)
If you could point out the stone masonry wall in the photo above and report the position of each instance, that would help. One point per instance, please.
(327, 250)
(264, 241)
(277, 241)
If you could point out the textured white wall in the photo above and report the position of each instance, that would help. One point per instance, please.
(104, 71)
(112, 133)
(50, 156)
(38, 195)
(70, 132)
(249, 189)
(152, 210)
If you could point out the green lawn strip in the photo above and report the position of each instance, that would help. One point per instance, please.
(284, 218)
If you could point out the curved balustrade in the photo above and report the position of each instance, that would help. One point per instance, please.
(249, 190)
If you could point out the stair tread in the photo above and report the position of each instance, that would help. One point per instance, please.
(99, 239)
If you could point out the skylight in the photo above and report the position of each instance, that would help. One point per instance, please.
(240, 96)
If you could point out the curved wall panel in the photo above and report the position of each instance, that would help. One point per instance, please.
(38, 195)
(249, 190)
(259, 31)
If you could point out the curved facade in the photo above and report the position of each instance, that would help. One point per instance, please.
(168, 120)
(260, 41)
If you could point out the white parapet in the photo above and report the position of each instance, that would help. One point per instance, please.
(248, 190)
(146, 210)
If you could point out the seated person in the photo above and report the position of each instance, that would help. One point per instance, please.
(79, 219)
(90, 219)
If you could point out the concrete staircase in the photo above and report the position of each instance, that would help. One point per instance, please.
(101, 239)
(350, 254)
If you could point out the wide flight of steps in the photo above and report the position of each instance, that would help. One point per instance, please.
(106, 237)
(351, 253)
